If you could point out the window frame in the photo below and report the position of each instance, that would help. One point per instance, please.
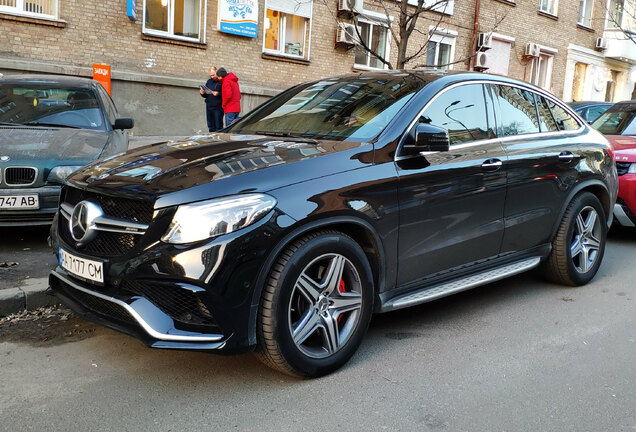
(581, 19)
(611, 25)
(546, 54)
(550, 4)
(367, 18)
(439, 36)
(306, 35)
(169, 34)
(18, 9)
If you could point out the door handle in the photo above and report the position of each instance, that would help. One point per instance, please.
(566, 156)
(492, 164)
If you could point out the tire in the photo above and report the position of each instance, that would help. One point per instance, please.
(579, 245)
(316, 305)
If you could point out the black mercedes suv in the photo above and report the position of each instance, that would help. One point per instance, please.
(334, 200)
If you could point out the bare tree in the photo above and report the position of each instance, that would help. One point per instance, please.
(403, 29)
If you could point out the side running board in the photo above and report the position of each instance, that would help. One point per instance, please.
(447, 288)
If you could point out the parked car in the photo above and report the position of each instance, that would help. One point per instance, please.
(618, 124)
(375, 192)
(49, 127)
(590, 110)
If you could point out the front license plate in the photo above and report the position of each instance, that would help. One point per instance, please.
(86, 269)
(19, 202)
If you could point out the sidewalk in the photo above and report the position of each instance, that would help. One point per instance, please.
(31, 292)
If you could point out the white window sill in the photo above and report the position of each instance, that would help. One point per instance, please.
(284, 55)
(359, 67)
(165, 35)
(31, 15)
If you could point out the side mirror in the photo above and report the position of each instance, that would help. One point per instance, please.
(124, 123)
(431, 138)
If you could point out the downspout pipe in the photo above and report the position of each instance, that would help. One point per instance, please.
(471, 64)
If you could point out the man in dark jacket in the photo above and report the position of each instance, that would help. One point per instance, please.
(231, 95)
(212, 96)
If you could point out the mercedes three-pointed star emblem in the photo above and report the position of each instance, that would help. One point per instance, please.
(82, 221)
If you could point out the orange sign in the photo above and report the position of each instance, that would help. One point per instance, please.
(101, 74)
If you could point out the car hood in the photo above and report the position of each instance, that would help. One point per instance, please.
(209, 166)
(51, 146)
(624, 147)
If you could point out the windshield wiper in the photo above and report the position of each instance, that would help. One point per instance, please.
(10, 124)
(36, 123)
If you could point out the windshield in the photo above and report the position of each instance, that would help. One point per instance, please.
(50, 106)
(618, 120)
(355, 109)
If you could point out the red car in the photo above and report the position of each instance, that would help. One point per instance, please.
(618, 124)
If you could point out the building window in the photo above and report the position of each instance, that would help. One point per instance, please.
(549, 6)
(441, 49)
(622, 14)
(541, 74)
(500, 54)
(287, 28)
(179, 19)
(376, 38)
(586, 8)
(35, 8)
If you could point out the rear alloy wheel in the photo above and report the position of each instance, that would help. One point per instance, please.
(577, 250)
(316, 305)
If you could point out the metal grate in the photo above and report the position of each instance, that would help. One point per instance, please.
(622, 167)
(180, 304)
(19, 176)
(105, 244)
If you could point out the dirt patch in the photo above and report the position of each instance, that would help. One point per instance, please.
(45, 327)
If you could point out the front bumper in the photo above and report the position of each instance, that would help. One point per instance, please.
(135, 316)
(625, 208)
(198, 296)
(49, 197)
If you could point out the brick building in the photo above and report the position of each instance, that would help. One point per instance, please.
(160, 50)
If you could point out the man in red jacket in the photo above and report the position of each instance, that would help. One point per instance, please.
(231, 95)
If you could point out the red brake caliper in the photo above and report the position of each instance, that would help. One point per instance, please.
(341, 288)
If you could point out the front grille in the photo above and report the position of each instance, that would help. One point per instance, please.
(122, 208)
(19, 176)
(107, 244)
(622, 167)
(94, 304)
(180, 304)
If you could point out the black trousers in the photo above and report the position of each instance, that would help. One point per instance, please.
(215, 119)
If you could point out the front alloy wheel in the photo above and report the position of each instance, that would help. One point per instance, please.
(316, 305)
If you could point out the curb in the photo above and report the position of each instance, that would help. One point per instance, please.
(31, 295)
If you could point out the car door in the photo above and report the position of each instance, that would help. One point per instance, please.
(451, 202)
(541, 167)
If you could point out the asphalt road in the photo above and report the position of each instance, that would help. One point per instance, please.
(517, 355)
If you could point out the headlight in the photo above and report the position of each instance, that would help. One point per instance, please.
(207, 219)
(59, 173)
(632, 168)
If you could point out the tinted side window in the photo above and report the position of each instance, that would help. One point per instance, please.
(461, 111)
(517, 113)
(548, 124)
(563, 120)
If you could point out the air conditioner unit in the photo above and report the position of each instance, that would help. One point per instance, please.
(484, 41)
(483, 61)
(601, 43)
(532, 50)
(347, 34)
(354, 6)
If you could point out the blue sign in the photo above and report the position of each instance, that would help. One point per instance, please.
(131, 9)
(239, 17)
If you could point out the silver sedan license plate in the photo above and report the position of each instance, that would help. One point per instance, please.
(84, 268)
(19, 202)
